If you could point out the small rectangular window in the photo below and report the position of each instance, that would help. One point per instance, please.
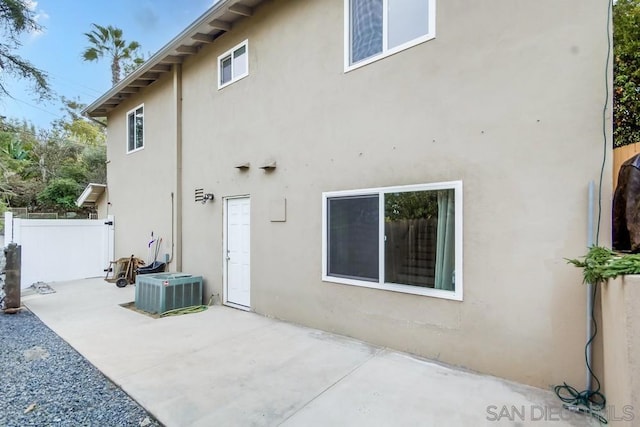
(135, 129)
(375, 29)
(233, 65)
(406, 239)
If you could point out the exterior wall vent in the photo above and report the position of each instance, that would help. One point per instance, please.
(158, 293)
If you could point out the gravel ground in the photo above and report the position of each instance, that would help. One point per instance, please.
(45, 382)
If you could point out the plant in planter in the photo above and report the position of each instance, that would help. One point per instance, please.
(601, 264)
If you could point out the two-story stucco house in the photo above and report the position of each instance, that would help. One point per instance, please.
(412, 173)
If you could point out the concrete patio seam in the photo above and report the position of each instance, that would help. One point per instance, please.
(335, 383)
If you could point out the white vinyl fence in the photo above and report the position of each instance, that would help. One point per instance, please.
(61, 249)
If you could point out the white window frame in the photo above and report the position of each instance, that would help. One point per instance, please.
(133, 111)
(408, 289)
(230, 53)
(348, 66)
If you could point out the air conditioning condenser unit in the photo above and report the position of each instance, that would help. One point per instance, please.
(162, 292)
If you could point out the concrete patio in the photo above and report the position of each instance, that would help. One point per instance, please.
(228, 367)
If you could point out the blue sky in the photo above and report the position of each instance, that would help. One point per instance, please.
(58, 48)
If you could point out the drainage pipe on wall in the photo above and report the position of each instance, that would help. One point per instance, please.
(590, 302)
(177, 102)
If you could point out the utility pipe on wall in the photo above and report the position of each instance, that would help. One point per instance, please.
(177, 102)
(590, 301)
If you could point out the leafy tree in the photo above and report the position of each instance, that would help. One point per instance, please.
(78, 128)
(95, 160)
(626, 72)
(50, 154)
(23, 193)
(16, 141)
(3, 209)
(136, 61)
(61, 192)
(108, 42)
(90, 137)
(16, 18)
(75, 170)
(411, 205)
(42, 180)
(47, 170)
(13, 156)
(15, 150)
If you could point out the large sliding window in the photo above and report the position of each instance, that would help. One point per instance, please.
(405, 239)
(378, 28)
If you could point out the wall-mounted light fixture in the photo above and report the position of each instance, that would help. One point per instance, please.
(243, 166)
(202, 197)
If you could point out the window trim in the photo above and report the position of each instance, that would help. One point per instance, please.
(348, 66)
(230, 52)
(133, 111)
(407, 289)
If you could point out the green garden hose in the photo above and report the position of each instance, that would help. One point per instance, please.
(185, 310)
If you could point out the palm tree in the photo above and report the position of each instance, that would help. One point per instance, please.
(107, 41)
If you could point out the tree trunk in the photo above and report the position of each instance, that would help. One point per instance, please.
(43, 168)
(115, 71)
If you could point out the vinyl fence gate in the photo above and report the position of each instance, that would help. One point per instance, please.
(55, 250)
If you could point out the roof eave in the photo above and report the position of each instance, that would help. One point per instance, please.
(91, 189)
(172, 53)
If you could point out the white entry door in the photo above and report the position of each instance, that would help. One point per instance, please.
(237, 248)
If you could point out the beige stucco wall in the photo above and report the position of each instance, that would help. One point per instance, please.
(621, 339)
(101, 205)
(507, 98)
(140, 183)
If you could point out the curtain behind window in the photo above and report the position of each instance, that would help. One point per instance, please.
(445, 243)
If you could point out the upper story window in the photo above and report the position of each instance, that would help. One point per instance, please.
(135, 129)
(375, 29)
(233, 64)
(404, 239)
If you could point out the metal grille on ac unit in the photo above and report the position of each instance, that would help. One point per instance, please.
(158, 293)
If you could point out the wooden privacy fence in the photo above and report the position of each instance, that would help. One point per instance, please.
(410, 251)
(620, 155)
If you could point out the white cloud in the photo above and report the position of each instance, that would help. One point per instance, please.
(39, 16)
(31, 5)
